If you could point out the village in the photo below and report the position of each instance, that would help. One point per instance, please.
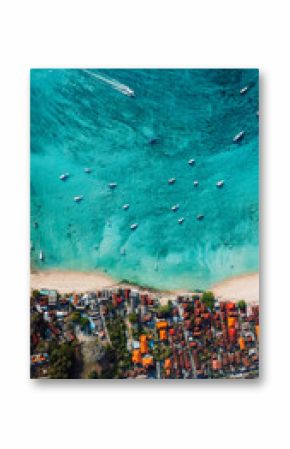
(130, 333)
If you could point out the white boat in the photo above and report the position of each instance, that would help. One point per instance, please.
(200, 217)
(191, 161)
(125, 90)
(112, 185)
(195, 183)
(123, 252)
(134, 226)
(181, 220)
(41, 255)
(239, 136)
(175, 207)
(244, 90)
(171, 181)
(64, 176)
(78, 198)
(126, 206)
(88, 170)
(220, 183)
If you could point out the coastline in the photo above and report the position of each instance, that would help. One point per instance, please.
(239, 287)
(245, 287)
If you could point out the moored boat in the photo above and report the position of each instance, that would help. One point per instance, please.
(41, 255)
(181, 220)
(191, 161)
(244, 90)
(64, 176)
(171, 181)
(78, 198)
(239, 136)
(200, 217)
(175, 207)
(220, 183)
(112, 185)
(126, 206)
(195, 183)
(134, 226)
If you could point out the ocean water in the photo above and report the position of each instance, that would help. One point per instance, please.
(79, 120)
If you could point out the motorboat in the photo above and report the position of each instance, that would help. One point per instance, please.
(220, 183)
(126, 206)
(171, 181)
(200, 217)
(78, 198)
(181, 220)
(134, 226)
(244, 90)
(195, 183)
(41, 255)
(191, 161)
(112, 185)
(175, 207)
(238, 136)
(87, 170)
(64, 176)
(126, 91)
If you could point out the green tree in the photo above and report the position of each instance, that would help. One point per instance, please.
(133, 318)
(93, 374)
(208, 299)
(242, 304)
(62, 359)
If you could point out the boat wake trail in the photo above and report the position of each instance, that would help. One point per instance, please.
(122, 88)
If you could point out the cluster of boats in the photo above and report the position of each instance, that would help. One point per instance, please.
(112, 185)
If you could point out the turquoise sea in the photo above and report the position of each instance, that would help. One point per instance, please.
(79, 120)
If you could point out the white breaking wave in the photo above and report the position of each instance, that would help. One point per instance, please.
(125, 90)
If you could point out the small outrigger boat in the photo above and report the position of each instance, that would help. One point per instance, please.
(112, 185)
(134, 226)
(79, 198)
(171, 181)
(220, 183)
(64, 176)
(181, 220)
(191, 161)
(238, 136)
(126, 206)
(175, 207)
(244, 90)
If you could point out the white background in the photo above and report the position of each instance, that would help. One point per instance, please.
(216, 33)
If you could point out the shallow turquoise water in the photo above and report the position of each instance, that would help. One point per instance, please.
(78, 121)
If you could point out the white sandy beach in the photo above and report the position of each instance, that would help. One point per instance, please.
(240, 287)
(236, 288)
(70, 281)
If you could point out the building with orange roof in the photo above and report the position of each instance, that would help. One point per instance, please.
(143, 344)
(136, 356)
(163, 334)
(161, 325)
(147, 361)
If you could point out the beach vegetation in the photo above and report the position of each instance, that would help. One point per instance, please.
(242, 304)
(208, 299)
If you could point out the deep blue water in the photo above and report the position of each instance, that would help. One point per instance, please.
(79, 121)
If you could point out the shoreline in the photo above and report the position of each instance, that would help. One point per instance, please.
(245, 286)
